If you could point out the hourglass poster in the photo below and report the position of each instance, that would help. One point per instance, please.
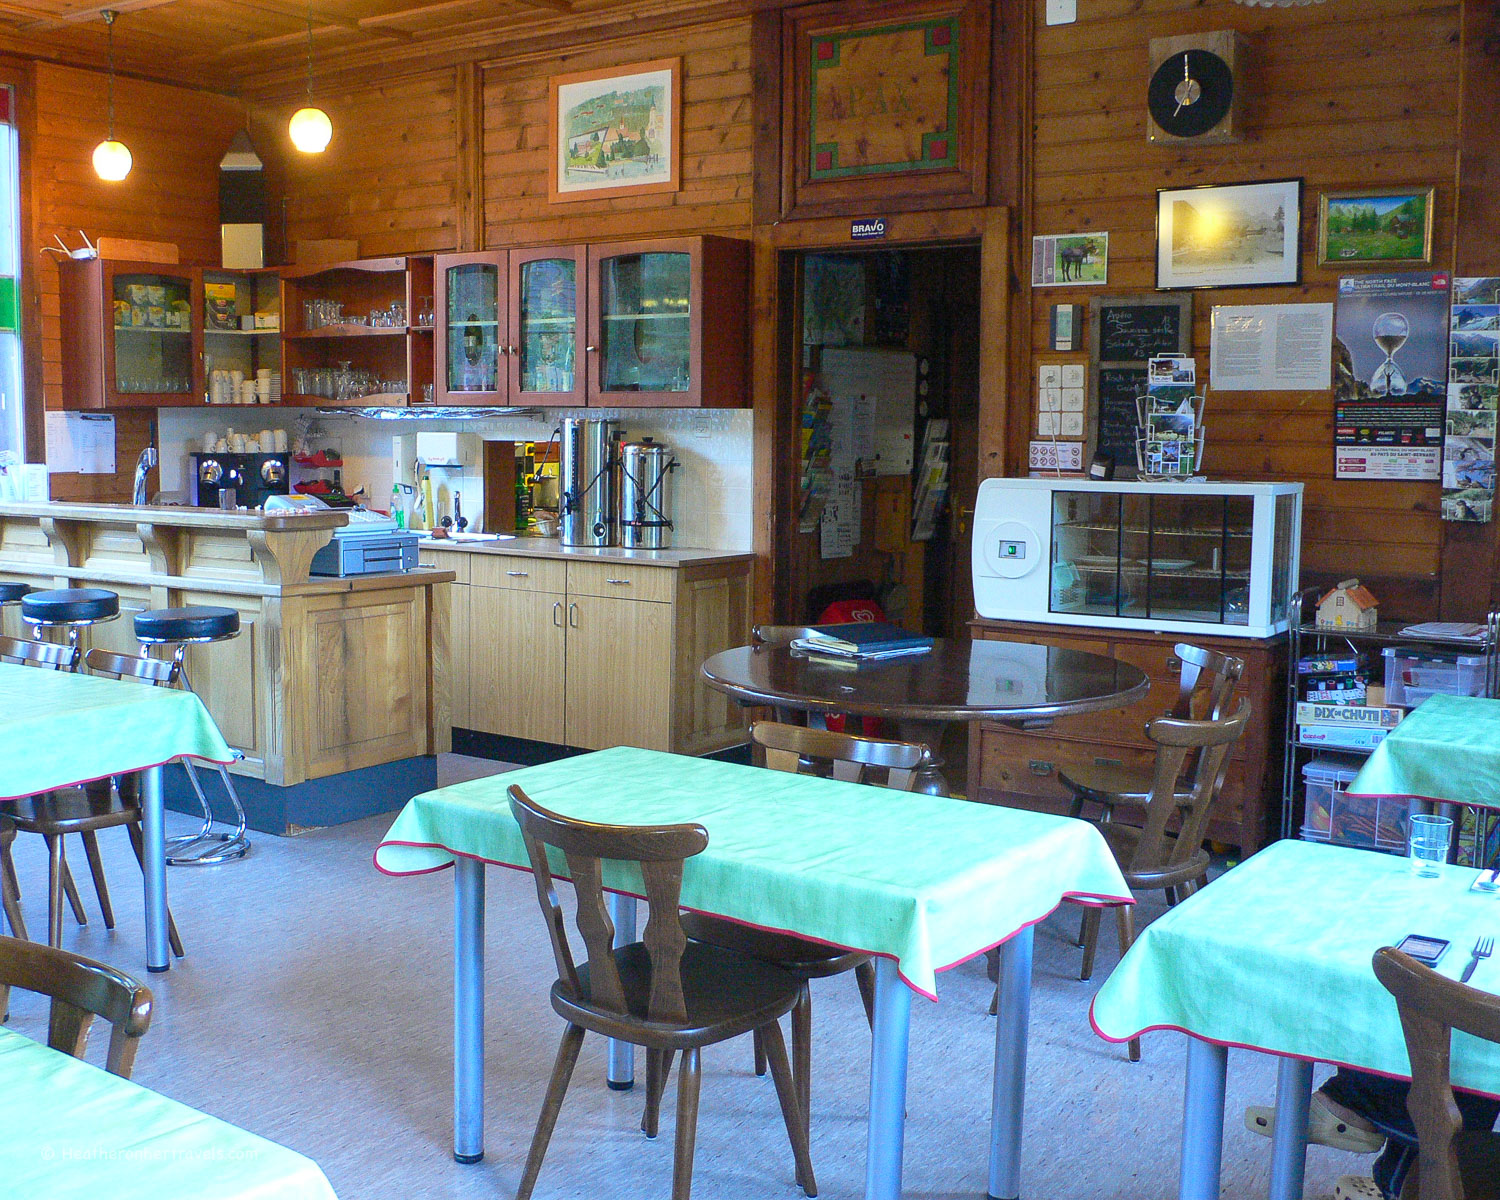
(1390, 375)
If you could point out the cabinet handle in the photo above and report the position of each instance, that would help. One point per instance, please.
(518, 574)
(557, 613)
(573, 616)
(620, 582)
(1040, 766)
(590, 349)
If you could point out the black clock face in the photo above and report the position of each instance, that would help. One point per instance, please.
(1190, 93)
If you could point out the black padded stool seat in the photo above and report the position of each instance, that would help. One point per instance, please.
(70, 604)
(198, 623)
(11, 592)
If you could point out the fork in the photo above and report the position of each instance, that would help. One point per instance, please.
(1483, 948)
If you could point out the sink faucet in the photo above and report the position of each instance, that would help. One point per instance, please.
(143, 464)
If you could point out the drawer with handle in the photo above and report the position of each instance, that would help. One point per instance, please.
(1028, 764)
(625, 581)
(518, 573)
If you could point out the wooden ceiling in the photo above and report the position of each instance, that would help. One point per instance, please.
(260, 47)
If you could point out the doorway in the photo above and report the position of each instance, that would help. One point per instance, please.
(883, 350)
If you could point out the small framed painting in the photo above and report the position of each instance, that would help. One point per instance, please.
(1382, 226)
(615, 132)
(1229, 235)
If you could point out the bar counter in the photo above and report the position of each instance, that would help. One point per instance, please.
(328, 675)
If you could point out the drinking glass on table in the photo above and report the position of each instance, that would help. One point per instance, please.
(1428, 844)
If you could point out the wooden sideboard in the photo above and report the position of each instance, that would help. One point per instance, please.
(1020, 766)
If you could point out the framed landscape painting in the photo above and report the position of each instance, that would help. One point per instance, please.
(615, 132)
(1229, 235)
(1385, 226)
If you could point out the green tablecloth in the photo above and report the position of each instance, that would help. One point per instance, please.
(1446, 750)
(928, 881)
(1275, 955)
(69, 1130)
(62, 728)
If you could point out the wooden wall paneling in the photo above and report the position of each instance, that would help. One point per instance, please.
(1319, 108)
(468, 149)
(766, 68)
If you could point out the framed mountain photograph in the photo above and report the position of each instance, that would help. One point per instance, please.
(1383, 226)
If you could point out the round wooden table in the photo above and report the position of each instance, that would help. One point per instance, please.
(954, 682)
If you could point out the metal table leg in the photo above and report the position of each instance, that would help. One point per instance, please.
(468, 1010)
(1289, 1143)
(154, 867)
(620, 1071)
(888, 1057)
(1203, 1121)
(1012, 1022)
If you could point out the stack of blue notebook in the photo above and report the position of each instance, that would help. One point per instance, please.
(863, 640)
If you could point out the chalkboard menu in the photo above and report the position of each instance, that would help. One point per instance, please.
(1124, 332)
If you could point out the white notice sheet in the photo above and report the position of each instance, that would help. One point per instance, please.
(1271, 347)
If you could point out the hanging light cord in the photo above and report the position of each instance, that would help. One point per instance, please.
(309, 55)
(109, 24)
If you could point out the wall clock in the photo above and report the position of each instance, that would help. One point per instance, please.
(1196, 88)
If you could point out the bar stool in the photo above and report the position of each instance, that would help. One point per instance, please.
(71, 609)
(197, 625)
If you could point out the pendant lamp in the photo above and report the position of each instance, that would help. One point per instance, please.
(310, 128)
(111, 158)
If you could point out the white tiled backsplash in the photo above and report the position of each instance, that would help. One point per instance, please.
(713, 503)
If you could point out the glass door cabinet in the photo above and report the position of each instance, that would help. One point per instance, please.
(546, 331)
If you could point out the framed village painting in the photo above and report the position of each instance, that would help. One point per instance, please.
(615, 132)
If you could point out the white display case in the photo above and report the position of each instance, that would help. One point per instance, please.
(1168, 557)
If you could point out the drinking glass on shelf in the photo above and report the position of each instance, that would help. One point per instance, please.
(425, 313)
(310, 314)
(1428, 844)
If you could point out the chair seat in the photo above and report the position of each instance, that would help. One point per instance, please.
(69, 810)
(799, 957)
(10, 592)
(197, 623)
(726, 994)
(70, 604)
(1123, 839)
(1106, 784)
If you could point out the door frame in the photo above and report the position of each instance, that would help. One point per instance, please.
(774, 379)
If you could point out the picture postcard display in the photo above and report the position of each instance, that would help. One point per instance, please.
(1390, 375)
(1473, 387)
(1170, 416)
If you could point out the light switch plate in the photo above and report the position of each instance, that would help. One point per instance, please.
(1049, 375)
(1047, 424)
(1072, 399)
(1072, 375)
(1062, 12)
(1071, 424)
(1050, 399)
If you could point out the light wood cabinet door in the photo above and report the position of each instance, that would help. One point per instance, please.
(460, 660)
(517, 649)
(619, 673)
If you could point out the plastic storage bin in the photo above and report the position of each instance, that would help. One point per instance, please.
(1413, 675)
(1332, 815)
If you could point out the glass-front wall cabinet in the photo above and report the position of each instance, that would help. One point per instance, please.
(152, 316)
(471, 328)
(645, 320)
(547, 325)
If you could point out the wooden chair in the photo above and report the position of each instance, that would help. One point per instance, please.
(10, 888)
(851, 759)
(80, 990)
(665, 993)
(1206, 685)
(1151, 857)
(1452, 1163)
(88, 809)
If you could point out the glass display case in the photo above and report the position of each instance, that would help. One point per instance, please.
(547, 325)
(1167, 556)
(242, 333)
(645, 322)
(471, 324)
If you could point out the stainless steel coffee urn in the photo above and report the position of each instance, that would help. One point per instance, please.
(586, 499)
(646, 495)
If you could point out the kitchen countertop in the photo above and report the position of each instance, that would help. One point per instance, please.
(537, 547)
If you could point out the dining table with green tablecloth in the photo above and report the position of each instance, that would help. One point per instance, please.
(1274, 956)
(63, 729)
(1446, 751)
(921, 882)
(75, 1132)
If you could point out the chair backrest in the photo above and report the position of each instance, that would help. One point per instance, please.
(1190, 799)
(660, 851)
(56, 655)
(158, 672)
(852, 759)
(80, 990)
(778, 635)
(1206, 683)
(1431, 1007)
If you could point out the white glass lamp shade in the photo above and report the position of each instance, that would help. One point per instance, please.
(112, 160)
(311, 130)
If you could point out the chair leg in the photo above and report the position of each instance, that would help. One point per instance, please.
(760, 1053)
(70, 890)
(8, 872)
(802, 1057)
(864, 975)
(658, 1069)
(557, 1088)
(1125, 923)
(688, 1079)
(796, 1121)
(1090, 941)
(55, 866)
(138, 845)
(96, 869)
(10, 896)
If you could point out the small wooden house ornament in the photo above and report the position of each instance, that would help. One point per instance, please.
(1349, 605)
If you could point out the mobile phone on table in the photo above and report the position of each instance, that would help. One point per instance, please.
(1426, 950)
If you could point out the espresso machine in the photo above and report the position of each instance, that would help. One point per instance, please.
(252, 476)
